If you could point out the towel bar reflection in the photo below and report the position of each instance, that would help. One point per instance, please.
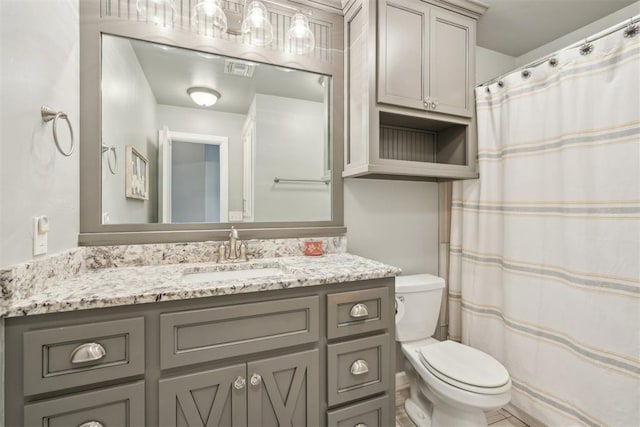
(310, 181)
(113, 167)
(49, 114)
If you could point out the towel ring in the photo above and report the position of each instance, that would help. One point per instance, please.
(49, 114)
(113, 167)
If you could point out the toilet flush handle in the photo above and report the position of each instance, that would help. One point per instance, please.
(359, 310)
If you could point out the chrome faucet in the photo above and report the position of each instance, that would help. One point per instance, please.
(232, 250)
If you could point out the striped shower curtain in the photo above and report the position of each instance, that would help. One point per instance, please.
(545, 245)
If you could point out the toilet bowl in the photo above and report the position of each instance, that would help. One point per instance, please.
(451, 384)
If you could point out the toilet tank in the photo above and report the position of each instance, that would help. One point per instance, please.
(418, 299)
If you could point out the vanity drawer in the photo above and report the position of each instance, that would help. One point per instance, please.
(116, 406)
(59, 358)
(357, 312)
(198, 336)
(370, 413)
(358, 368)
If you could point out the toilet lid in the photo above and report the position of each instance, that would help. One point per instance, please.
(464, 367)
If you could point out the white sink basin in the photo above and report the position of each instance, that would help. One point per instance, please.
(215, 276)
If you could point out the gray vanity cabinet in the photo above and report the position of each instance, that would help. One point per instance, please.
(409, 80)
(424, 57)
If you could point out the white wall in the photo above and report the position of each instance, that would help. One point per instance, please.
(128, 118)
(491, 64)
(395, 222)
(39, 64)
(210, 122)
(289, 144)
(580, 34)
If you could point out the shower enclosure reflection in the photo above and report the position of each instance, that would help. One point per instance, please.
(214, 156)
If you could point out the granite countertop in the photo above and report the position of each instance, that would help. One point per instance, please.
(127, 285)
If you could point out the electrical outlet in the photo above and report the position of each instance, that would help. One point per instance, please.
(235, 216)
(40, 233)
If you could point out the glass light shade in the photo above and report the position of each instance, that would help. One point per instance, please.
(208, 18)
(301, 38)
(256, 24)
(159, 12)
(203, 96)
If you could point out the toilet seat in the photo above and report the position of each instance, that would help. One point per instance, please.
(465, 367)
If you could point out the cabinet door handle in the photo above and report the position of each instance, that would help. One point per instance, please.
(359, 310)
(360, 425)
(92, 424)
(239, 383)
(89, 352)
(434, 103)
(359, 367)
(256, 379)
(427, 103)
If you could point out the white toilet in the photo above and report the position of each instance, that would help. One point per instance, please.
(451, 384)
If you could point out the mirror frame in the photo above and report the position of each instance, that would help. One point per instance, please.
(93, 25)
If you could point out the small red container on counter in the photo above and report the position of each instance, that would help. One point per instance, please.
(312, 248)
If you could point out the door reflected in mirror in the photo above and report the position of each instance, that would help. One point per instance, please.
(226, 140)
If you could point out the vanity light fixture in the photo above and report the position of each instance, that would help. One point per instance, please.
(203, 96)
(256, 24)
(209, 18)
(158, 12)
(301, 38)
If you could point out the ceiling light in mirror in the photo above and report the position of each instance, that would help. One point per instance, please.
(208, 18)
(300, 35)
(256, 24)
(159, 12)
(203, 96)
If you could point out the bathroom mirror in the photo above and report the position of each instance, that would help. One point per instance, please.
(157, 167)
(195, 137)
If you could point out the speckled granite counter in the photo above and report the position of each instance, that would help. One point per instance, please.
(78, 280)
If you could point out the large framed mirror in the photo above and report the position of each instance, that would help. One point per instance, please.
(185, 135)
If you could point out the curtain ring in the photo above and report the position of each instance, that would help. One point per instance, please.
(500, 83)
(553, 61)
(586, 48)
(48, 114)
(631, 30)
(113, 167)
(526, 74)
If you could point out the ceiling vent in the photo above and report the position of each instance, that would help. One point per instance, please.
(239, 68)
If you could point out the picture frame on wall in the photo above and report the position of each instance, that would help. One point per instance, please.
(136, 174)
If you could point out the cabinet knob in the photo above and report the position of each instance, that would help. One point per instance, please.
(434, 103)
(239, 383)
(359, 367)
(427, 103)
(359, 310)
(92, 424)
(89, 352)
(256, 379)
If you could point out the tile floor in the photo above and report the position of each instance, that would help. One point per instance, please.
(499, 418)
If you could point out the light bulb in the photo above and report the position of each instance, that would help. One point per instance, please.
(301, 38)
(256, 24)
(209, 18)
(158, 12)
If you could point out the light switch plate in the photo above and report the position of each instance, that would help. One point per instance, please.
(40, 238)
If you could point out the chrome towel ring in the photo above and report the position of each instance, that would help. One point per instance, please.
(113, 167)
(49, 114)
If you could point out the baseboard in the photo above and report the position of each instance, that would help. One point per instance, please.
(523, 416)
(402, 381)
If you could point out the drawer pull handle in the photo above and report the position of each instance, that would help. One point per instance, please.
(360, 425)
(239, 383)
(359, 367)
(89, 352)
(359, 310)
(256, 379)
(92, 424)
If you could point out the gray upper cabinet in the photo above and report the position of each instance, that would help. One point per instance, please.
(409, 71)
(425, 57)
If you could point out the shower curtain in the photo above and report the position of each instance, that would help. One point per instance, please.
(545, 245)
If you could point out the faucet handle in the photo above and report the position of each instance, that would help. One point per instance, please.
(234, 233)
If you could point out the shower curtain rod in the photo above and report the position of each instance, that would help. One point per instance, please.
(544, 59)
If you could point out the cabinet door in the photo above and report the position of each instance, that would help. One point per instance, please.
(451, 62)
(403, 37)
(205, 399)
(284, 391)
